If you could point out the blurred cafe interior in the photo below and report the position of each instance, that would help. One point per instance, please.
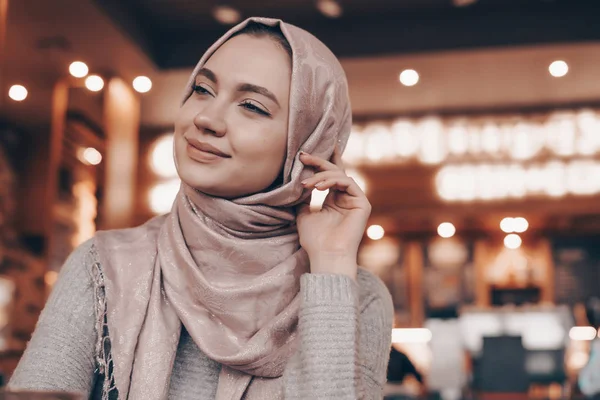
(476, 137)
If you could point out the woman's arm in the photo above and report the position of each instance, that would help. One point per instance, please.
(60, 355)
(345, 338)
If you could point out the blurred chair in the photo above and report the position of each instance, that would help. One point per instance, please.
(545, 366)
(446, 373)
(500, 371)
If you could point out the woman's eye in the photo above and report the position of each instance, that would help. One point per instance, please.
(254, 108)
(201, 90)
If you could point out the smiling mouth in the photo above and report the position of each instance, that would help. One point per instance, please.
(204, 153)
(206, 147)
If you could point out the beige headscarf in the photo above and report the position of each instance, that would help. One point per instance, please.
(228, 270)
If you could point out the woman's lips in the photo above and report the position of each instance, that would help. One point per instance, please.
(203, 152)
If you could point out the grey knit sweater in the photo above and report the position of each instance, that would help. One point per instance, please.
(344, 330)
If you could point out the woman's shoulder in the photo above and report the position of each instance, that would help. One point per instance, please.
(371, 288)
(83, 256)
(128, 236)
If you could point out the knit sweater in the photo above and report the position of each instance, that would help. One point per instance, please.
(344, 333)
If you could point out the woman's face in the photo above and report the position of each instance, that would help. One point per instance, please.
(231, 133)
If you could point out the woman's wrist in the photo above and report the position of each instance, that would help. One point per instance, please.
(334, 263)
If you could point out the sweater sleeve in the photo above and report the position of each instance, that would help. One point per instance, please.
(60, 355)
(345, 338)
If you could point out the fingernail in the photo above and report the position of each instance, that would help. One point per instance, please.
(302, 153)
(303, 182)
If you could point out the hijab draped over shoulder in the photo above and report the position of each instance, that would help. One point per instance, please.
(227, 270)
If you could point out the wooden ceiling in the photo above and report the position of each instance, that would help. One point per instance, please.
(175, 32)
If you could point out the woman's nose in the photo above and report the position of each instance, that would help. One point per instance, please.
(210, 120)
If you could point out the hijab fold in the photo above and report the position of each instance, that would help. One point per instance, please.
(226, 270)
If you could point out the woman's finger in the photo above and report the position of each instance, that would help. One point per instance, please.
(336, 158)
(321, 176)
(317, 162)
(341, 184)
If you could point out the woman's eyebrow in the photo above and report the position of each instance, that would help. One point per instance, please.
(244, 87)
(208, 74)
(248, 87)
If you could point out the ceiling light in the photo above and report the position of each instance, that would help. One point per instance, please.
(520, 224)
(507, 225)
(17, 92)
(512, 241)
(510, 225)
(558, 69)
(583, 333)
(94, 83)
(329, 8)
(78, 69)
(142, 84)
(226, 15)
(375, 232)
(409, 77)
(446, 230)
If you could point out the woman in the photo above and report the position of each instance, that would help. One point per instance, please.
(241, 291)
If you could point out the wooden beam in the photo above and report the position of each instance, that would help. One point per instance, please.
(481, 260)
(60, 102)
(414, 265)
(121, 123)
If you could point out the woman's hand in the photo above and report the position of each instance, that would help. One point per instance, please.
(331, 236)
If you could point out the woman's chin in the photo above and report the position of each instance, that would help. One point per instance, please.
(212, 189)
(227, 186)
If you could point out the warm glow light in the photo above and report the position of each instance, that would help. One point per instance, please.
(507, 225)
(431, 136)
(520, 225)
(578, 360)
(142, 84)
(375, 232)
(94, 83)
(379, 145)
(583, 333)
(163, 195)
(161, 157)
(17, 92)
(406, 139)
(50, 278)
(432, 139)
(446, 230)
(78, 69)
(226, 15)
(90, 156)
(504, 181)
(512, 241)
(354, 148)
(409, 77)
(411, 335)
(329, 8)
(558, 69)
